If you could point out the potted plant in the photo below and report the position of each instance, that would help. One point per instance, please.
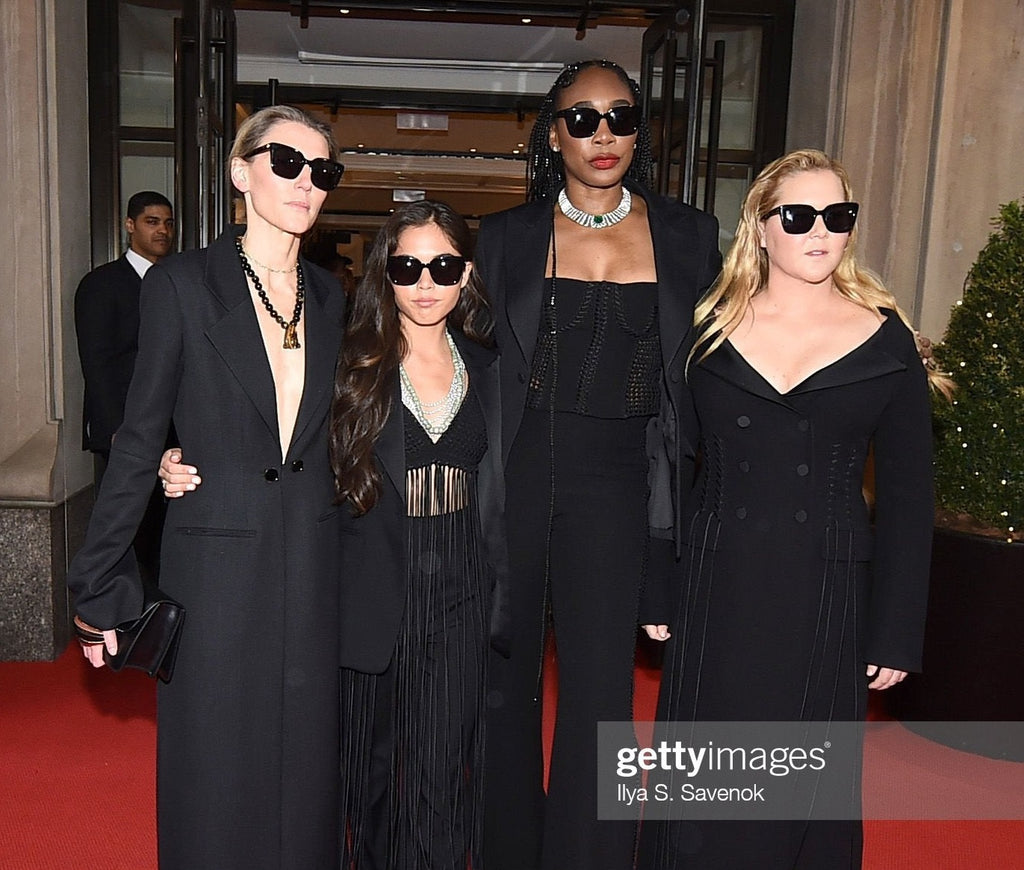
(973, 667)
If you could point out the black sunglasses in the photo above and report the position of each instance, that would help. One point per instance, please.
(797, 219)
(583, 121)
(445, 269)
(286, 162)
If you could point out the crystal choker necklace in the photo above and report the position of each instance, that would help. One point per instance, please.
(595, 221)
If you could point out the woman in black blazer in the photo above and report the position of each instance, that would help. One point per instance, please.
(247, 755)
(593, 285)
(415, 448)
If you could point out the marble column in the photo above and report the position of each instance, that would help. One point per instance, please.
(44, 240)
(923, 101)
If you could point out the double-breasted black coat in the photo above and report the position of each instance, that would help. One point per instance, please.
(248, 727)
(373, 546)
(787, 589)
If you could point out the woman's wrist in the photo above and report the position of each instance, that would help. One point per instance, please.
(86, 633)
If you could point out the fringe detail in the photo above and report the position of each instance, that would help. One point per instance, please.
(435, 781)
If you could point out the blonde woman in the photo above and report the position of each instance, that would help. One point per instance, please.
(790, 605)
(237, 347)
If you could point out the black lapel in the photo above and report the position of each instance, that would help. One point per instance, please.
(865, 362)
(236, 336)
(131, 277)
(390, 445)
(525, 262)
(482, 365)
(674, 234)
(324, 303)
(728, 364)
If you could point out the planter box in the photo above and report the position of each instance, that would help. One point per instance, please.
(973, 667)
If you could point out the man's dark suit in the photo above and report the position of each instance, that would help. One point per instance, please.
(107, 323)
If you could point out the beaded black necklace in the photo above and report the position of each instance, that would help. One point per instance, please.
(291, 337)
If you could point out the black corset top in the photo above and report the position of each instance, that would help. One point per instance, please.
(439, 478)
(463, 444)
(598, 351)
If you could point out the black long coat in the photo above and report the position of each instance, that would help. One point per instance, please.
(511, 257)
(107, 326)
(373, 546)
(248, 727)
(787, 589)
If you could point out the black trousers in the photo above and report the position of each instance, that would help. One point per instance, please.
(583, 528)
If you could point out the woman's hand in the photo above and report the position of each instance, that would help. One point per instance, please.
(177, 479)
(657, 632)
(884, 678)
(93, 652)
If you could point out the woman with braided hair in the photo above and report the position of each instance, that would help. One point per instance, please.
(593, 284)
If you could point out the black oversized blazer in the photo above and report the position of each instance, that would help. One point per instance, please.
(511, 257)
(373, 546)
(107, 326)
(248, 727)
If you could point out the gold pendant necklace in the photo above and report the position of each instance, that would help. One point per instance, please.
(291, 337)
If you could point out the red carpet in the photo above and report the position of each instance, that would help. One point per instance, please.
(77, 756)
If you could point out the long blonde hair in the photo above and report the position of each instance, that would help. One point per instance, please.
(745, 272)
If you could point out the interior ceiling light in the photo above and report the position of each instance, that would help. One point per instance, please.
(527, 20)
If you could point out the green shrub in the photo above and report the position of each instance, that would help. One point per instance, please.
(979, 457)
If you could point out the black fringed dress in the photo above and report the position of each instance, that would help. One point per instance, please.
(414, 752)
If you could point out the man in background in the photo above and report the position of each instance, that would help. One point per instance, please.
(107, 324)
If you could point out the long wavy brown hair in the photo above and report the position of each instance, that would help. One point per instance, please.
(374, 345)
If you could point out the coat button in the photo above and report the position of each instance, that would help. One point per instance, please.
(803, 425)
(270, 475)
(521, 378)
(743, 421)
(297, 465)
(800, 516)
(744, 465)
(802, 469)
(741, 513)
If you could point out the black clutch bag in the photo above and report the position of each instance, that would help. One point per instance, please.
(150, 642)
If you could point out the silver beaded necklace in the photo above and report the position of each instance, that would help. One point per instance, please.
(436, 417)
(595, 221)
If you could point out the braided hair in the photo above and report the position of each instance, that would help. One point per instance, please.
(545, 172)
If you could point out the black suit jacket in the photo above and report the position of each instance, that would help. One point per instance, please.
(107, 325)
(511, 257)
(373, 546)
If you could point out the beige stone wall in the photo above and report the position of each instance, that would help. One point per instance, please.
(979, 145)
(44, 237)
(927, 114)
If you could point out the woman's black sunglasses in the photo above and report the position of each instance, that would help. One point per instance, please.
(446, 269)
(583, 121)
(797, 219)
(286, 162)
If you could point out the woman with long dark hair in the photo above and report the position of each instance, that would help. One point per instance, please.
(415, 449)
(593, 284)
